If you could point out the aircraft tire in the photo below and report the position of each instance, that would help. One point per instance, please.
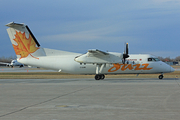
(21, 66)
(97, 77)
(102, 77)
(161, 76)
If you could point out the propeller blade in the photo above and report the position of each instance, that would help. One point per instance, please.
(127, 48)
(126, 51)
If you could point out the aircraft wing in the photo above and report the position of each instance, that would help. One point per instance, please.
(4, 63)
(95, 56)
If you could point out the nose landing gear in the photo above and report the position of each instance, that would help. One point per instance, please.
(161, 76)
(99, 76)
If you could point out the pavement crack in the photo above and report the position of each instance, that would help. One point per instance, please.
(177, 82)
(16, 111)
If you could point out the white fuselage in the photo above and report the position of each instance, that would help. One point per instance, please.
(137, 63)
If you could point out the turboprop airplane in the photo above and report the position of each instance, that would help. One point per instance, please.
(97, 62)
(13, 63)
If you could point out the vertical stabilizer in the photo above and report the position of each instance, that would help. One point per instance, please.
(23, 41)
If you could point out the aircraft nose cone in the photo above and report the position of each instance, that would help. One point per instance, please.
(172, 69)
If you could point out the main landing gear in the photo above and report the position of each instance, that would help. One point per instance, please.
(99, 76)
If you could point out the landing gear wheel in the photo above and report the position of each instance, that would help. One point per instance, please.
(161, 76)
(99, 76)
(21, 66)
(102, 77)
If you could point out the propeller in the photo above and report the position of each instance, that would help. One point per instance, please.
(125, 55)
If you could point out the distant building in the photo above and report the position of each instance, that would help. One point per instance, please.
(173, 63)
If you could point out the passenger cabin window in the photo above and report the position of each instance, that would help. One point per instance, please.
(153, 59)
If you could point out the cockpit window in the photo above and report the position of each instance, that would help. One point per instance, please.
(156, 59)
(149, 59)
(153, 59)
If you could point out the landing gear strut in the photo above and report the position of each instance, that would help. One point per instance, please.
(99, 76)
(99, 68)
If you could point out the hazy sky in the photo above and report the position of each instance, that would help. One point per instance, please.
(149, 26)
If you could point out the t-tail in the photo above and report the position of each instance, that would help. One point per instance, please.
(23, 41)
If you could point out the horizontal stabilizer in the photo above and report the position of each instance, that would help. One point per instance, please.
(12, 24)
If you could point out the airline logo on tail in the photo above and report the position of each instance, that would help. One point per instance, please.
(25, 46)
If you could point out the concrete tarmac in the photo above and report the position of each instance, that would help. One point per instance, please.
(87, 99)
